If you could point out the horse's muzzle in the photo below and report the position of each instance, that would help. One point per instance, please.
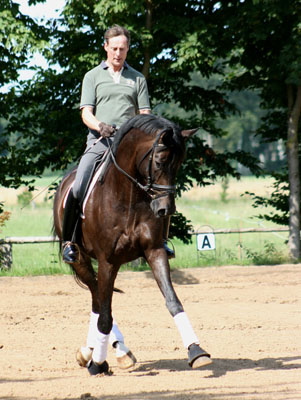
(163, 206)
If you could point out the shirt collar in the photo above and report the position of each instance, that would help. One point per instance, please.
(104, 65)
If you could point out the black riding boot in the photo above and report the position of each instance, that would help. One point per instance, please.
(70, 220)
(170, 253)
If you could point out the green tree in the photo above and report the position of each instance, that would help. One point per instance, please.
(44, 128)
(20, 38)
(264, 37)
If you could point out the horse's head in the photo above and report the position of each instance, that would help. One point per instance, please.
(159, 167)
(157, 152)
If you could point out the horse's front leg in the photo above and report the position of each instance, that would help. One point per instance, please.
(159, 264)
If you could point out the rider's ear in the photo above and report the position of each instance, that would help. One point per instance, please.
(186, 134)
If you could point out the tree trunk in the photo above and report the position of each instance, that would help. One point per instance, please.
(148, 25)
(294, 107)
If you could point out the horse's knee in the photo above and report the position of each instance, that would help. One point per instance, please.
(105, 323)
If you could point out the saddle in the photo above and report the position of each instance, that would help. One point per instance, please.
(98, 176)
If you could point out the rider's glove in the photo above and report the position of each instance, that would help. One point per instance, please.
(105, 130)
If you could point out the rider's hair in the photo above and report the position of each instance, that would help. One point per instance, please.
(117, 30)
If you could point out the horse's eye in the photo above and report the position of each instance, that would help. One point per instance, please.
(161, 158)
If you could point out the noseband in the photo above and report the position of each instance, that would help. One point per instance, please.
(150, 188)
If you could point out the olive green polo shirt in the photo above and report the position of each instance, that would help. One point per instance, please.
(114, 102)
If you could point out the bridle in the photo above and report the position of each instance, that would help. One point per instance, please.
(154, 190)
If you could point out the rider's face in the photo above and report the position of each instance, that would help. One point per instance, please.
(117, 49)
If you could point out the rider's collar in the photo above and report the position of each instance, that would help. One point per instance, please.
(104, 65)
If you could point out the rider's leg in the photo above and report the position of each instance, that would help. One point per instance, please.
(70, 220)
(76, 196)
(166, 223)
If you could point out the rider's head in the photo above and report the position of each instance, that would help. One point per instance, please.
(117, 41)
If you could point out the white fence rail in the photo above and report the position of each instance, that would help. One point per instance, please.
(6, 247)
(6, 244)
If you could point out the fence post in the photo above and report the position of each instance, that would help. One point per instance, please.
(6, 256)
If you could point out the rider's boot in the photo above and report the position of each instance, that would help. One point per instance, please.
(170, 253)
(70, 220)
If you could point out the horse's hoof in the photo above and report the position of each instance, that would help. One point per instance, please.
(197, 357)
(200, 362)
(126, 361)
(83, 356)
(97, 369)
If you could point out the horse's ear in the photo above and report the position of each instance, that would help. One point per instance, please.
(167, 138)
(186, 134)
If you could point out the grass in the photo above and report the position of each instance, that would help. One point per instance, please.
(203, 206)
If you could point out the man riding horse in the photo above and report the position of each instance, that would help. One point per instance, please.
(112, 93)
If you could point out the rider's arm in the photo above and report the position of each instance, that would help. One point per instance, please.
(92, 122)
(89, 118)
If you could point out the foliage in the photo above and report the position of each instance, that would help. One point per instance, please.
(20, 37)
(266, 56)
(278, 200)
(4, 215)
(24, 198)
(44, 129)
(180, 227)
(269, 256)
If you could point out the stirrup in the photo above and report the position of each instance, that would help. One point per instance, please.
(170, 252)
(70, 252)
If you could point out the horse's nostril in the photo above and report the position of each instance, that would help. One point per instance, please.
(162, 212)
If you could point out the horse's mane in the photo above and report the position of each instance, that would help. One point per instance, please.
(149, 124)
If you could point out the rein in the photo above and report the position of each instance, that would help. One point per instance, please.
(150, 188)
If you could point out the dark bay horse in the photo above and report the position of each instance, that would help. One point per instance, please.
(123, 220)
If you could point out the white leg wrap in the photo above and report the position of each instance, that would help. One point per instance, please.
(99, 342)
(185, 329)
(121, 350)
(93, 330)
(101, 349)
(115, 334)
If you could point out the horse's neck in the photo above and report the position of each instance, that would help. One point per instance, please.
(117, 182)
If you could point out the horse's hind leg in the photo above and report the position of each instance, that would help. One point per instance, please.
(103, 317)
(95, 339)
(158, 261)
(85, 273)
(124, 357)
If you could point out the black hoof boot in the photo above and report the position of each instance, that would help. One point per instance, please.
(70, 253)
(170, 253)
(198, 357)
(96, 369)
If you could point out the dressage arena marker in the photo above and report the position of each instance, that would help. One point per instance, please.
(205, 241)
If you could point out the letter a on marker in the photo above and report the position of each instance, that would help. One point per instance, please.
(206, 242)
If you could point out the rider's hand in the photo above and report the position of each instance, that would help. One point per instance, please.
(105, 130)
